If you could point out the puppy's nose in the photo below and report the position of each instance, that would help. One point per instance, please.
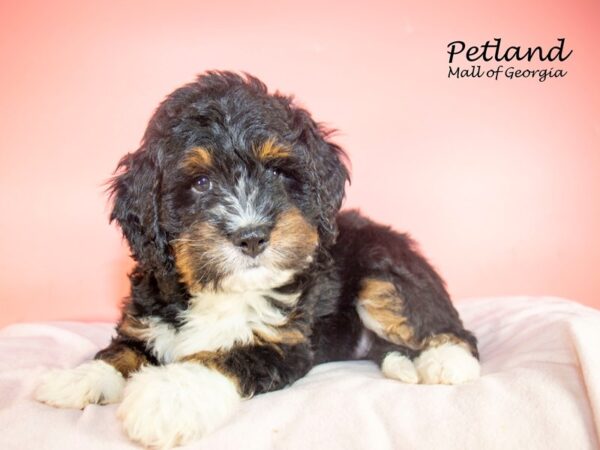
(251, 240)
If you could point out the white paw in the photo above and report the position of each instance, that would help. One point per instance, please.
(397, 366)
(91, 382)
(447, 364)
(170, 405)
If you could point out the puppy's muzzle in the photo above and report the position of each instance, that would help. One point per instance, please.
(252, 241)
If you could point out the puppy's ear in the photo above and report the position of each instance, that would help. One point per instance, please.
(329, 175)
(136, 192)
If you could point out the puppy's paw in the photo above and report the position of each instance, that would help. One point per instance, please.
(91, 382)
(174, 404)
(397, 366)
(447, 364)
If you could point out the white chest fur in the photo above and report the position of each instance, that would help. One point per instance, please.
(216, 321)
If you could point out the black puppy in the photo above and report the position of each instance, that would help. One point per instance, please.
(246, 274)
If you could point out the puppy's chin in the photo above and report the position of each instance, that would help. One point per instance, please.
(257, 278)
(265, 272)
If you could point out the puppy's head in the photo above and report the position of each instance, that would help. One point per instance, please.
(232, 187)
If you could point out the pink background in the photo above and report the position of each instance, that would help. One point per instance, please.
(499, 181)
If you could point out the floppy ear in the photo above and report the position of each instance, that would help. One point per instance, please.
(136, 192)
(330, 175)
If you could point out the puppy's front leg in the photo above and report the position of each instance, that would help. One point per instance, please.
(176, 403)
(100, 381)
(169, 405)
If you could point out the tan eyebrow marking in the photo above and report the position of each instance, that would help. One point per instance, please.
(198, 157)
(271, 150)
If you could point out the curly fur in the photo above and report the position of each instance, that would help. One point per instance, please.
(223, 158)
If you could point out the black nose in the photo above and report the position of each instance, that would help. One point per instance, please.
(251, 240)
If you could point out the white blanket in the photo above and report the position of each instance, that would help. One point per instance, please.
(540, 389)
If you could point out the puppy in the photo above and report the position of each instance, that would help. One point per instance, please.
(247, 275)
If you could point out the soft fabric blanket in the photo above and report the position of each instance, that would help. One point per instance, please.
(540, 389)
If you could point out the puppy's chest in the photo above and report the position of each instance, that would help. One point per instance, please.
(217, 322)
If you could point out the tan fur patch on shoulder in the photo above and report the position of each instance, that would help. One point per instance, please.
(372, 288)
(380, 308)
(271, 150)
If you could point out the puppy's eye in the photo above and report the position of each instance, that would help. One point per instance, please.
(202, 184)
(280, 174)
